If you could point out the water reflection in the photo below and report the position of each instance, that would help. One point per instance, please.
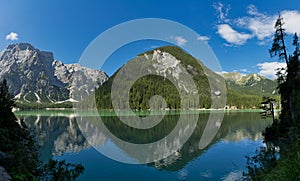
(59, 133)
(236, 126)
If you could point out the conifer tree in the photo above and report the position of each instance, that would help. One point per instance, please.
(278, 46)
(6, 101)
(285, 81)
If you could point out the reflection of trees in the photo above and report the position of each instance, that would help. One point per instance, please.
(140, 136)
(235, 127)
(58, 134)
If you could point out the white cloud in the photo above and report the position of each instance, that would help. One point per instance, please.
(261, 25)
(252, 10)
(291, 19)
(203, 38)
(12, 36)
(180, 40)
(222, 11)
(269, 69)
(232, 36)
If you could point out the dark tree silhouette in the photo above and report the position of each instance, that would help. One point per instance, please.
(286, 80)
(19, 152)
(278, 46)
(268, 107)
(271, 163)
(6, 101)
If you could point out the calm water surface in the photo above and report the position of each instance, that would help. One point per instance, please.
(223, 159)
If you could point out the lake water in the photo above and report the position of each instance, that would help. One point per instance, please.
(59, 134)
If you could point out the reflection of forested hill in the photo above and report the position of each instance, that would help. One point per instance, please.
(236, 126)
(58, 134)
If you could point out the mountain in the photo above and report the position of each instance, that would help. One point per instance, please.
(176, 73)
(250, 84)
(34, 76)
(169, 62)
(246, 91)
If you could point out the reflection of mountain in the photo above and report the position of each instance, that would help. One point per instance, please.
(236, 126)
(58, 134)
(250, 127)
(61, 133)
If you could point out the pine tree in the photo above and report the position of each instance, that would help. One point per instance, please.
(293, 78)
(268, 107)
(6, 100)
(278, 46)
(285, 81)
(296, 44)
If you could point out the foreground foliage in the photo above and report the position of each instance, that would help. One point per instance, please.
(19, 152)
(280, 159)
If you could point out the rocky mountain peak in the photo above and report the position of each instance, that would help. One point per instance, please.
(242, 79)
(25, 50)
(34, 75)
(250, 83)
(21, 46)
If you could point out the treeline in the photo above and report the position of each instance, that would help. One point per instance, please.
(247, 101)
(143, 90)
(36, 105)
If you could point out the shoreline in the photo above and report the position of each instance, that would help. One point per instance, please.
(74, 112)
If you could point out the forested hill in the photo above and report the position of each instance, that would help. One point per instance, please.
(167, 60)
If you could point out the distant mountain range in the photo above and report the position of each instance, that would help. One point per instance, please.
(251, 84)
(246, 91)
(35, 77)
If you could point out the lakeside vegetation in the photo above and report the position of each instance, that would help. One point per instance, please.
(19, 150)
(280, 158)
(38, 105)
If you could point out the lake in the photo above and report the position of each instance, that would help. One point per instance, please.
(62, 136)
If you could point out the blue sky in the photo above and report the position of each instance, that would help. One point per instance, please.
(239, 32)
